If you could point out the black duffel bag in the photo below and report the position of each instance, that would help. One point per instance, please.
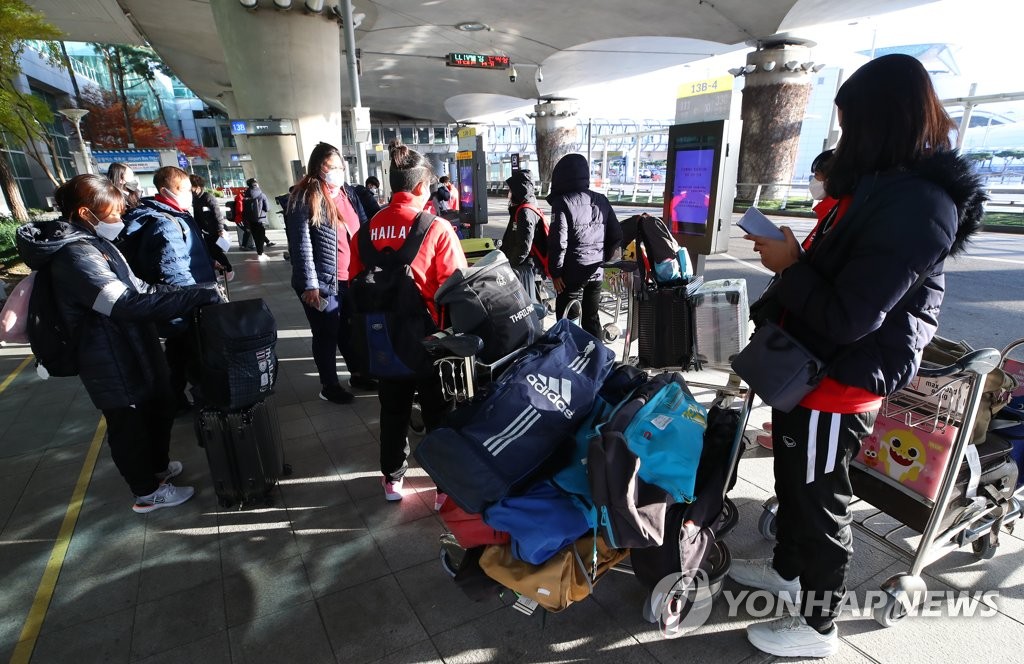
(234, 360)
(489, 301)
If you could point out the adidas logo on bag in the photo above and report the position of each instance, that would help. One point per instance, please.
(581, 361)
(556, 390)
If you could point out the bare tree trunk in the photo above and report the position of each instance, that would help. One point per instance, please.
(33, 151)
(71, 73)
(124, 97)
(159, 104)
(11, 192)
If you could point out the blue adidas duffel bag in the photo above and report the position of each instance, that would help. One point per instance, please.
(497, 443)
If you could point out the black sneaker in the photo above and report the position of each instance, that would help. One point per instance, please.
(336, 394)
(363, 383)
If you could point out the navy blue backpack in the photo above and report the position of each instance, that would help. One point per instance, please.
(500, 441)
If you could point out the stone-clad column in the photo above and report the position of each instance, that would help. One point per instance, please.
(282, 64)
(557, 135)
(775, 95)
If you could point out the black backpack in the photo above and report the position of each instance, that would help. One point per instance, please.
(234, 360)
(54, 344)
(250, 210)
(389, 319)
(488, 300)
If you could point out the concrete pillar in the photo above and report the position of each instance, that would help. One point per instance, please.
(557, 135)
(775, 95)
(282, 64)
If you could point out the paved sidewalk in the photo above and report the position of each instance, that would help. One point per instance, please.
(333, 573)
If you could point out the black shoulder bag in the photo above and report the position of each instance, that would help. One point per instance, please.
(781, 371)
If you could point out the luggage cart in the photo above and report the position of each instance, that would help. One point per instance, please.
(944, 527)
(617, 289)
(461, 375)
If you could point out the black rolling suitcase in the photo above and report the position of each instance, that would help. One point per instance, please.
(665, 337)
(244, 450)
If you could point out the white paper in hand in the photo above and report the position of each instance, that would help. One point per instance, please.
(755, 223)
(224, 243)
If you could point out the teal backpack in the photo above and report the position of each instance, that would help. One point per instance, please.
(642, 455)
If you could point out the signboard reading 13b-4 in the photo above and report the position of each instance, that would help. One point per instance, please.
(477, 60)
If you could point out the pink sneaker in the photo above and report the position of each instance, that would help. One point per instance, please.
(392, 490)
(439, 500)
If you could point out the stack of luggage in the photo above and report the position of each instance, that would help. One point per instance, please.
(233, 372)
(664, 308)
(566, 463)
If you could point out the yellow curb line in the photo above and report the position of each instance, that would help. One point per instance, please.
(14, 374)
(36, 615)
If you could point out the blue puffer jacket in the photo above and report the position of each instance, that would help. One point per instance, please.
(165, 246)
(843, 290)
(110, 311)
(584, 231)
(314, 249)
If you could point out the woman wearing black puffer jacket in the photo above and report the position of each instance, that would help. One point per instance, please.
(584, 233)
(112, 315)
(322, 214)
(865, 298)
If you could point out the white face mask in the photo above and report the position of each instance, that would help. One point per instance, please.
(334, 178)
(817, 188)
(107, 231)
(183, 199)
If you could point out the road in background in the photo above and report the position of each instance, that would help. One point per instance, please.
(984, 302)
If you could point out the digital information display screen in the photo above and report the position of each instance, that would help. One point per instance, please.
(691, 190)
(466, 197)
(477, 60)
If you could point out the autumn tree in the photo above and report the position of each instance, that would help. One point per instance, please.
(105, 125)
(22, 115)
(191, 149)
(113, 58)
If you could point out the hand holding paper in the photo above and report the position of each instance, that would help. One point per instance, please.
(755, 223)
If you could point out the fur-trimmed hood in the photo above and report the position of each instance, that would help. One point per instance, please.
(953, 173)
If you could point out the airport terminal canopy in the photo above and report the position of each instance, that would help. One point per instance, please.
(403, 44)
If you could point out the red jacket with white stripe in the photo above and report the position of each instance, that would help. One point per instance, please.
(439, 255)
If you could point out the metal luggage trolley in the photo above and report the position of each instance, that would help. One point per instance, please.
(617, 301)
(944, 526)
(461, 374)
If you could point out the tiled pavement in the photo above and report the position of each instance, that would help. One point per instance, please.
(333, 573)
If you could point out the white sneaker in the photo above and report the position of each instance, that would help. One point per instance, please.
(392, 490)
(759, 573)
(174, 469)
(263, 258)
(229, 275)
(791, 636)
(166, 495)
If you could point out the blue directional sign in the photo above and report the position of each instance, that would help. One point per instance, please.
(183, 162)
